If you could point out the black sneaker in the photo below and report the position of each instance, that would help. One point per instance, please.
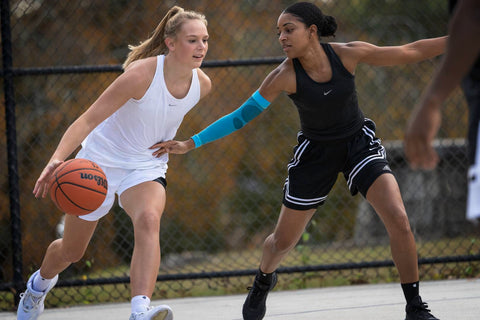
(254, 307)
(418, 310)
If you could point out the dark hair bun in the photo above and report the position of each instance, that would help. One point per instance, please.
(310, 14)
(329, 26)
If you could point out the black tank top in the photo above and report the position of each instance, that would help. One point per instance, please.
(328, 110)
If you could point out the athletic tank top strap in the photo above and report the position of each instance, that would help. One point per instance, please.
(190, 99)
(335, 61)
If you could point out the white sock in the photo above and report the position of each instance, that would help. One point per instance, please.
(40, 283)
(140, 304)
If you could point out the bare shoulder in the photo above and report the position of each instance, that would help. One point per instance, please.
(205, 83)
(281, 79)
(286, 67)
(142, 68)
(352, 46)
(351, 53)
(139, 74)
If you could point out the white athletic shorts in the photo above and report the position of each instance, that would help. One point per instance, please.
(120, 180)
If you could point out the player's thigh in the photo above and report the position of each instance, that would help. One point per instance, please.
(77, 233)
(146, 197)
(385, 197)
(291, 224)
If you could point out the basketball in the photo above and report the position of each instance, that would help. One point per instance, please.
(78, 187)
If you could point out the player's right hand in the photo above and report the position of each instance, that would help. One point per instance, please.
(43, 182)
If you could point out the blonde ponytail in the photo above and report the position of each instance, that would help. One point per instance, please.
(168, 27)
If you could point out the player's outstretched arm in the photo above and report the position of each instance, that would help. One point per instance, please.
(463, 48)
(218, 129)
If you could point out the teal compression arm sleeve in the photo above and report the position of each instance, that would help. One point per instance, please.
(233, 121)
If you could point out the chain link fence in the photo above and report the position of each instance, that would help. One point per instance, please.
(223, 199)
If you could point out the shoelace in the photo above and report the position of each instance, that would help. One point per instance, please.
(423, 307)
(139, 314)
(29, 297)
(143, 313)
(256, 292)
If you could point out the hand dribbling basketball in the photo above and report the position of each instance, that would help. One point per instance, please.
(41, 186)
(78, 186)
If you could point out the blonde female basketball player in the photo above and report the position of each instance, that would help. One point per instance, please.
(160, 84)
(336, 137)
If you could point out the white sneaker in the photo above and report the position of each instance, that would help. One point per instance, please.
(162, 312)
(31, 302)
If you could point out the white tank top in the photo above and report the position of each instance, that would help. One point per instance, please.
(123, 139)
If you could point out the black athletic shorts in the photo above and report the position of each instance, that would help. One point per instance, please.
(162, 181)
(315, 166)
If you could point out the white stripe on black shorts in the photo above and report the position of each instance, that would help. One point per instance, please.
(315, 166)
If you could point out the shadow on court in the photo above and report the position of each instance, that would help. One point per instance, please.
(448, 299)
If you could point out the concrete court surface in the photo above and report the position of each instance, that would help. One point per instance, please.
(448, 299)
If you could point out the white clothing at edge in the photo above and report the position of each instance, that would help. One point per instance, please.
(124, 138)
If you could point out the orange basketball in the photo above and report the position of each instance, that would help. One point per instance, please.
(78, 187)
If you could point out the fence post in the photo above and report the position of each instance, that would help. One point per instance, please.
(14, 195)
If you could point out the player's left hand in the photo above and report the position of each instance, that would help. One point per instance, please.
(172, 146)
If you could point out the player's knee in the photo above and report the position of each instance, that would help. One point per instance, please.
(403, 227)
(399, 224)
(71, 254)
(74, 256)
(147, 221)
(280, 245)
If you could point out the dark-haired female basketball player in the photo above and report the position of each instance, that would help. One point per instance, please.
(335, 137)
